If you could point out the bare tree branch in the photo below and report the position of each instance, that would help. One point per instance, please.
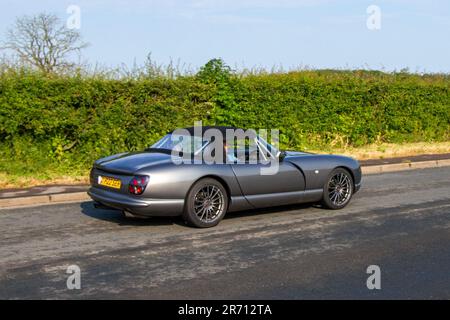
(44, 42)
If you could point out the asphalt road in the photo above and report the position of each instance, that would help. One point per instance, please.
(398, 221)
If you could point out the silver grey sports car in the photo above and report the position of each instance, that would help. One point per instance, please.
(202, 176)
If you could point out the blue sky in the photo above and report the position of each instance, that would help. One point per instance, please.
(318, 34)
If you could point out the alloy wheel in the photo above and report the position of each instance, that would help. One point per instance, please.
(209, 203)
(339, 188)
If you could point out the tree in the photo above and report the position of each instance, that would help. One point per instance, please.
(44, 42)
(215, 71)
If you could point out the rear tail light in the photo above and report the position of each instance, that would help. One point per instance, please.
(137, 184)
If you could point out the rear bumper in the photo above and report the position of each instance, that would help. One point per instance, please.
(138, 206)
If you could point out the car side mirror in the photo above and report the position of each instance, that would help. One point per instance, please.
(280, 155)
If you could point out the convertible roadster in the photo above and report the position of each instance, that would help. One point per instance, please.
(156, 182)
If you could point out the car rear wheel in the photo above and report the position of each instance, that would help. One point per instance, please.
(206, 203)
(338, 189)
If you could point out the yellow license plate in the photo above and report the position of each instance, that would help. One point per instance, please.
(109, 182)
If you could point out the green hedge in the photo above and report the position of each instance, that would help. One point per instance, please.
(70, 121)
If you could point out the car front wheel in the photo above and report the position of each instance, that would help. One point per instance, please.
(338, 189)
(206, 203)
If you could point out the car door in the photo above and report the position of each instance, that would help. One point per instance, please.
(284, 186)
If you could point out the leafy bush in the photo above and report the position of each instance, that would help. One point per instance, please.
(67, 122)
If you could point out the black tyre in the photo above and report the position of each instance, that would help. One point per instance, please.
(338, 189)
(206, 203)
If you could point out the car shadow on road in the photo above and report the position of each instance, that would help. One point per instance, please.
(270, 210)
(116, 216)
